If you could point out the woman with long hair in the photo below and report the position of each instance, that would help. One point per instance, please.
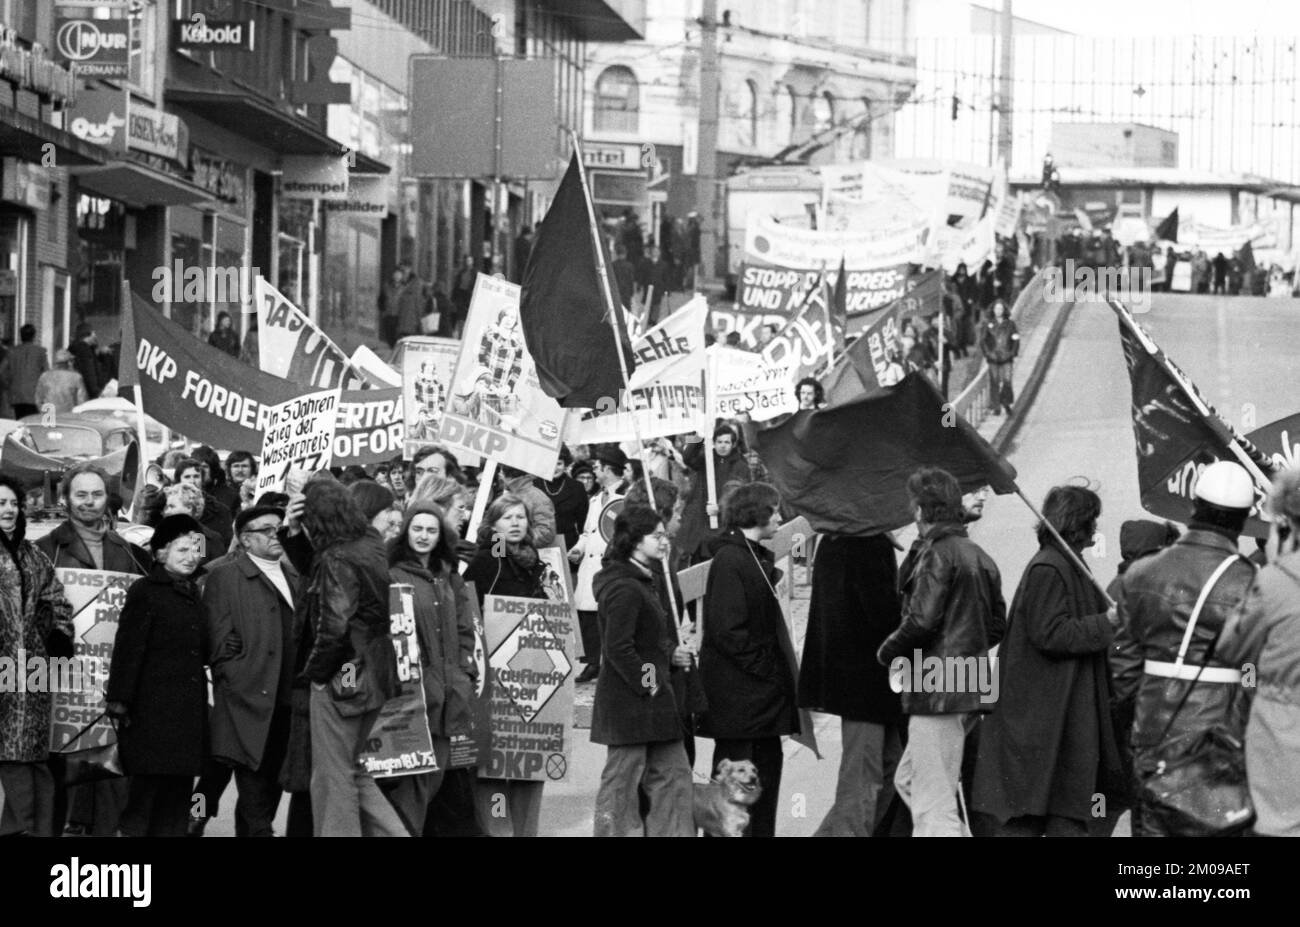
(35, 622)
(507, 563)
(1000, 344)
(378, 506)
(1049, 746)
(635, 713)
(423, 556)
(156, 691)
(454, 499)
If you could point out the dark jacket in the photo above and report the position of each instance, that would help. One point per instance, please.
(855, 606)
(694, 533)
(1049, 746)
(157, 672)
(219, 518)
(65, 548)
(952, 607)
(493, 575)
(83, 361)
(999, 341)
(444, 625)
(346, 604)
(252, 654)
(748, 678)
(1159, 593)
(226, 340)
(634, 702)
(570, 502)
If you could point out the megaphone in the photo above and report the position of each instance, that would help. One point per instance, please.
(39, 471)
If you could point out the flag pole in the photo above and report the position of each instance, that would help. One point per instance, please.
(1069, 551)
(141, 433)
(1212, 418)
(610, 310)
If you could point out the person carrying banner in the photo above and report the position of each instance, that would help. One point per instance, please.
(588, 552)
(1182, 685)
(35, 624)
(1000, 344)
(157, 692)
(952, 610)
(250, 602)
(747, 662)
(507, 564)
(567, 497)
(1049, 747)
(730, 466)
(635, 712)
(352, 666)
(423, 556)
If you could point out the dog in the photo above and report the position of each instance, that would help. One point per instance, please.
(721, 806)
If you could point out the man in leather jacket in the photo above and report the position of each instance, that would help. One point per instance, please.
(953, 610)
(1148, 659)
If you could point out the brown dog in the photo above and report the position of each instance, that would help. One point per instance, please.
(721, 806)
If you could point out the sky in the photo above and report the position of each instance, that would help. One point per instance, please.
(1128, 17)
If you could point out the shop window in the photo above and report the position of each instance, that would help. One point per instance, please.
(618, 100)
(20, 16)
(144, 47)
(747, 116)
(862, 134)
(823, 111)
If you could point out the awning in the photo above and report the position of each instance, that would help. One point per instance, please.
(368, 165)
(137, 185)
(26, 136)
(253, 118)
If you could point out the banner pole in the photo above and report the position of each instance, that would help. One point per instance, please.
(141, 433)
(1069, 551)
(610, 310)
(487, 476)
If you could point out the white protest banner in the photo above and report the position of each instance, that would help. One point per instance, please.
(299, 436)
(865, 196)
(974, 247)
(530, 688)
(292, 346)
(371, 366)
(400, 742)
(743, 382)
(772, 243)
(969, 196)
(666, 397)
(497, 408)
(428, 365)
(97, 597)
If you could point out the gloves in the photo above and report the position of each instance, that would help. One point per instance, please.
(59, 645)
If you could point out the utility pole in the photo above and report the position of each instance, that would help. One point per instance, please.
(706, 200)
(1005, 102)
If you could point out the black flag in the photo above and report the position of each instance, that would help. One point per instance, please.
(563, 311)
(1168, 229)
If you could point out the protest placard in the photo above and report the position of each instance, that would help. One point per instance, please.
(291, 345)
(428, 365)
(497, 408)
(467, 747)
(97, 597)
(400, 743)
(299, 437)
(773, 295)
(743, 382)
(530, 688)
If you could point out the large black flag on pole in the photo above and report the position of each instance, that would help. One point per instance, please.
(563, 311)
(1176, 432)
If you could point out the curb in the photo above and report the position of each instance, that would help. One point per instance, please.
(1033, 383)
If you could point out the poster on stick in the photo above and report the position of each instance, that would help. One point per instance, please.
(530, 688)
(428, 365)
(400, 743)
(497, 408)
(299, 437)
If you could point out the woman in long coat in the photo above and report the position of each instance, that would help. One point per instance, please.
(35, 623)
(423, 556)
(157, 691)
(1049, 747)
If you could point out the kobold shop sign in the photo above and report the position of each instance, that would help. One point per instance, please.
(201, 34)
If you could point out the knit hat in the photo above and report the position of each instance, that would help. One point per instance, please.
(172, 527)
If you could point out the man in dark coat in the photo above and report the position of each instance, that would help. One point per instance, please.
(86, 541)
(730, 466)
(953, 613)
(854, 607)
(250, 602)
(83, 359)
(746, 659)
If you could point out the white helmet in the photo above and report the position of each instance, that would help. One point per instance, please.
(1227, 485)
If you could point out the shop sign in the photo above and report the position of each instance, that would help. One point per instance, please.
(620, 157)
(320, 177)
(25, 183)
(157, 132)
(199, 33)
(367, 199)
(223, 179)
(30, 69)
(93, 47)
(100, 117)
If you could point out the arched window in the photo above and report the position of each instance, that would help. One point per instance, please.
(862, 134)
(618, 100)
(747, 117)
(787, 112)
(823, 106)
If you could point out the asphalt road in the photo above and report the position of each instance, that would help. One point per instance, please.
(1237, 350)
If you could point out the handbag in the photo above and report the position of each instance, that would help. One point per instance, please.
(91, 764)
(1202, 791)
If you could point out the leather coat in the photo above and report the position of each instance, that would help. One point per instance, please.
(952, 607)
(1159, 593)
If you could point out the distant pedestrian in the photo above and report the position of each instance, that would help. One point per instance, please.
(62, 389)
(82, 349)
(1000, 345)
(27, 362)
(225, 337)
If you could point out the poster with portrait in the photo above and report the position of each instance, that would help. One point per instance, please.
(428, 365)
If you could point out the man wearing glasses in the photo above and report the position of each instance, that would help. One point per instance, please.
(250, 600)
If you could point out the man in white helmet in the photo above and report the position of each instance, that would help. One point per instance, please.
(1155, 662)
